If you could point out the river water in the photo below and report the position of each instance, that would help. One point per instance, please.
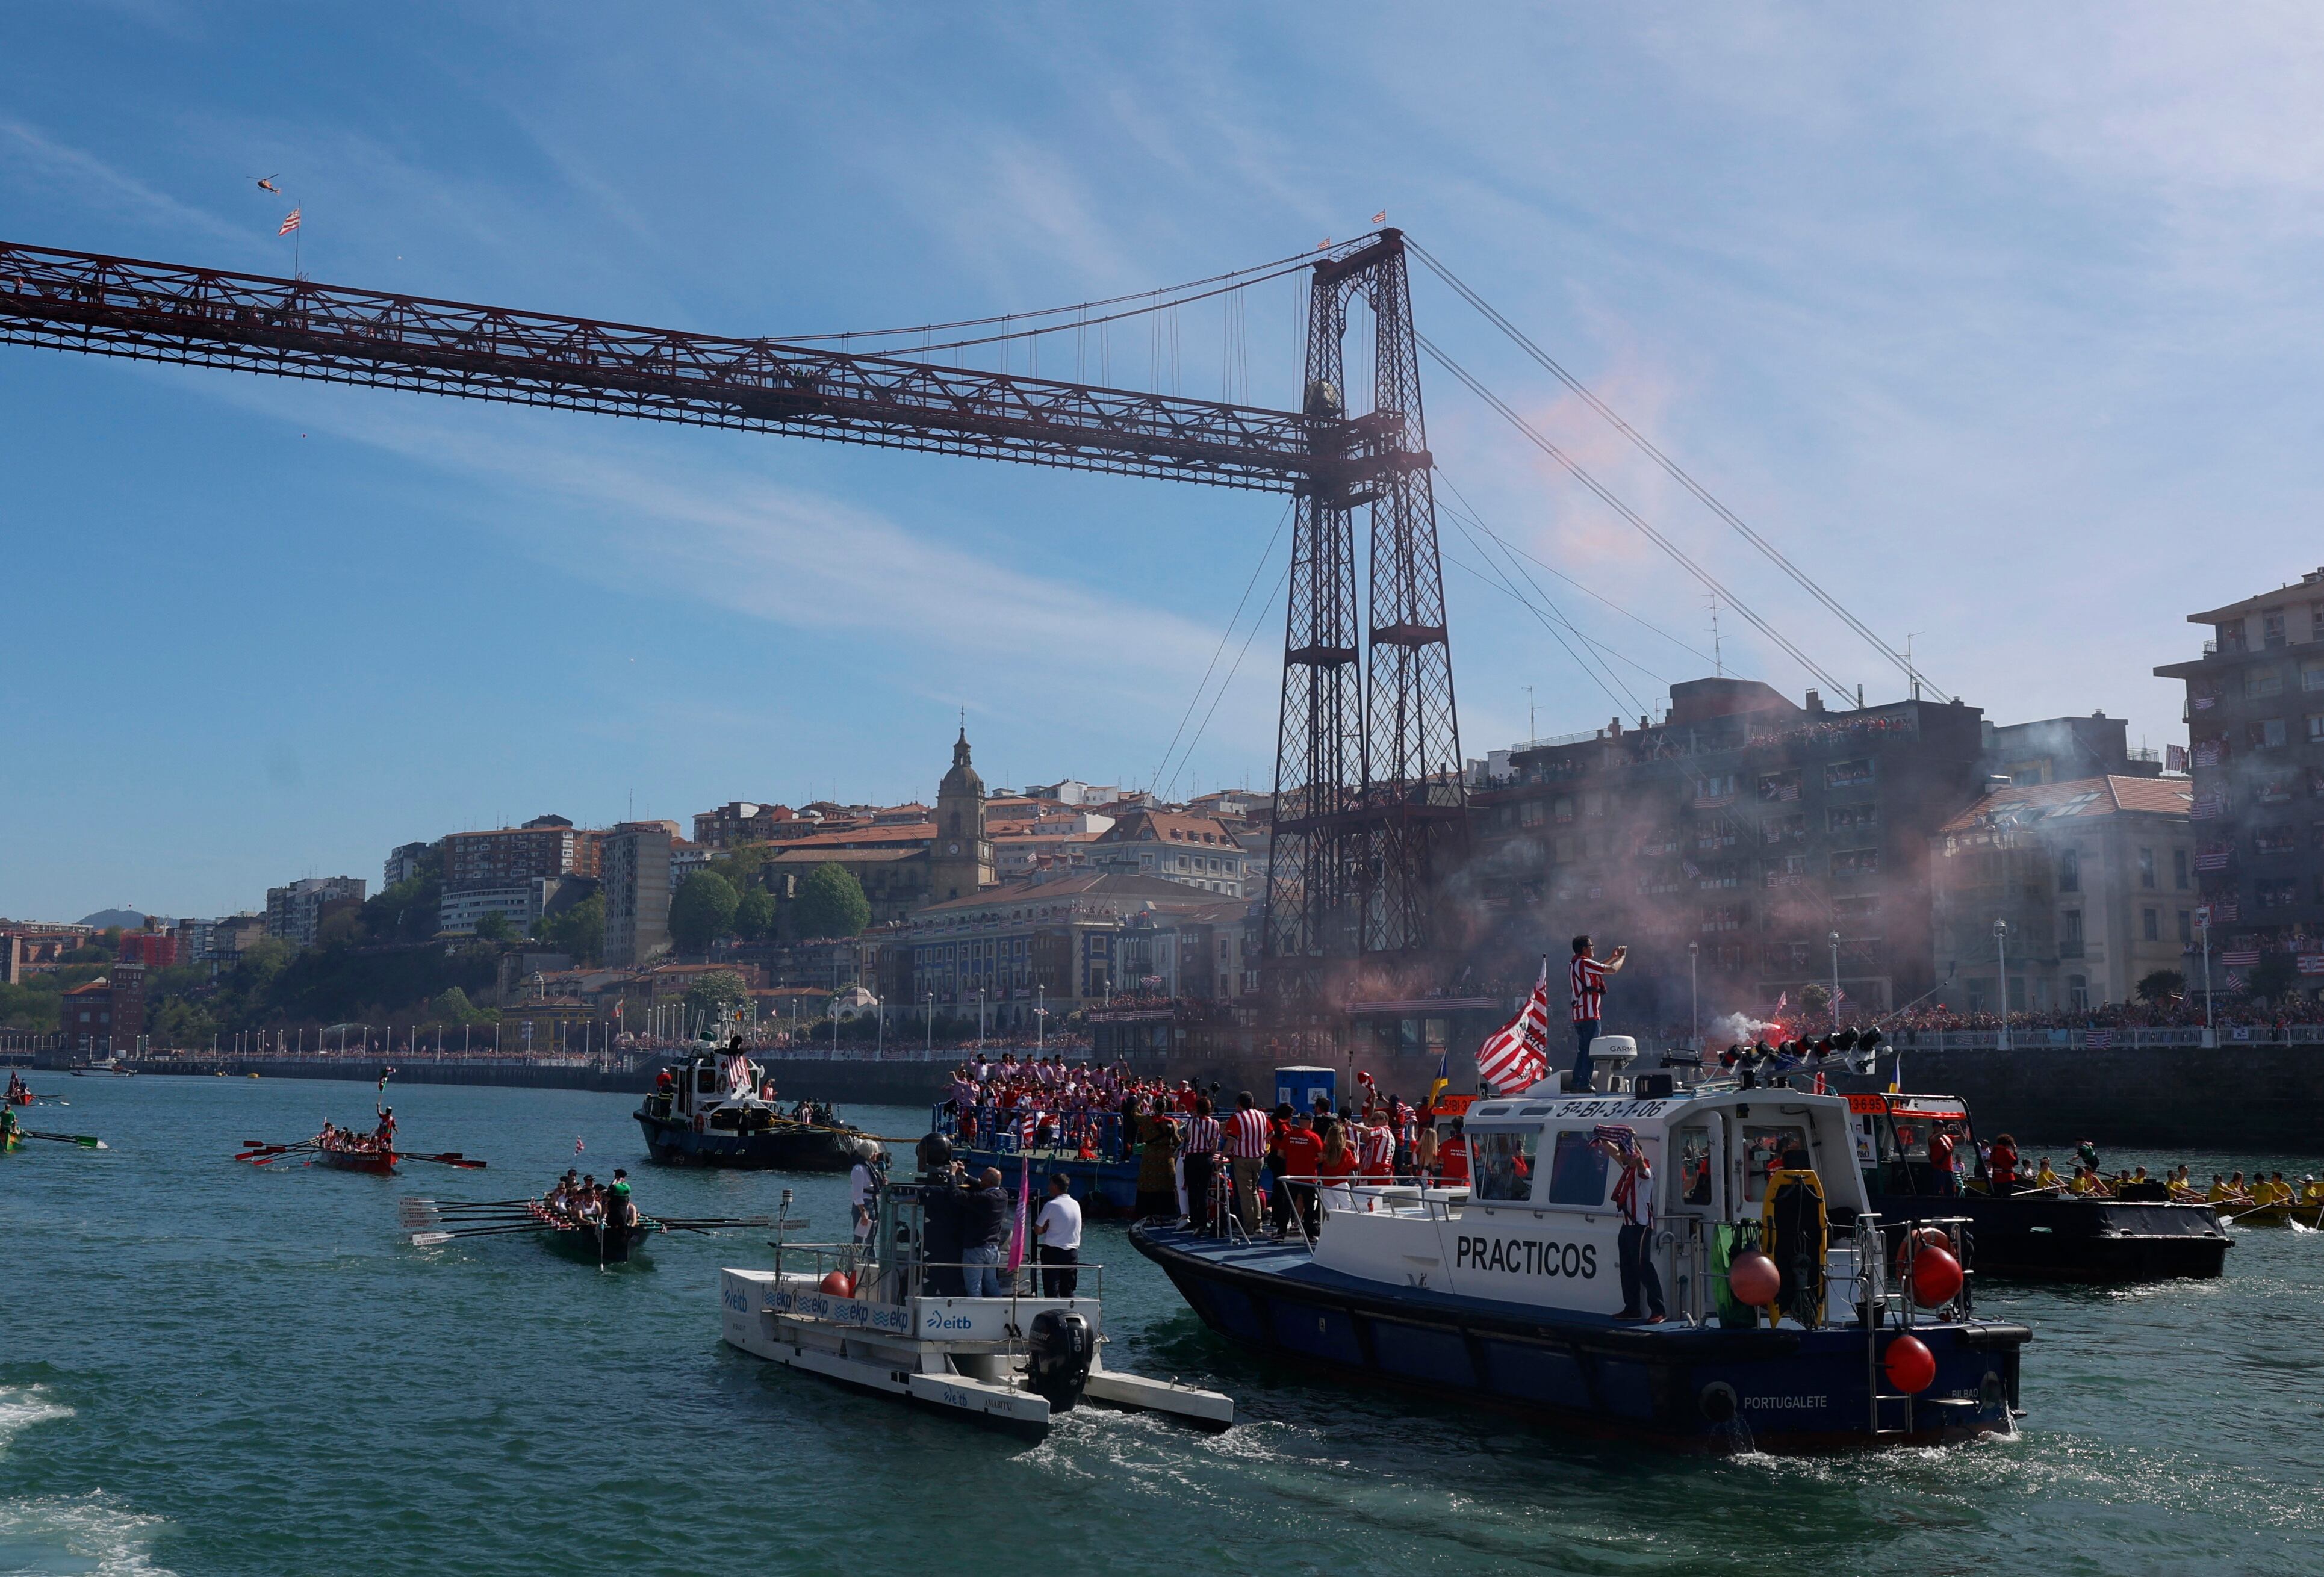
(212, 1367)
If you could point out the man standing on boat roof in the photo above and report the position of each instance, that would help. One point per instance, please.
(1587, 979)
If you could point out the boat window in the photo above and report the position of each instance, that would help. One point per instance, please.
(706, 1082)
(1766, 1147)
(1577, 1171)
(1502, 1164)
(1694, 1164)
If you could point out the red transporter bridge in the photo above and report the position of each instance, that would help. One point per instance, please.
(1370, 807)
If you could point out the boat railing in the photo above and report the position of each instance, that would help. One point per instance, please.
(1306, 1198)
(854, 1261)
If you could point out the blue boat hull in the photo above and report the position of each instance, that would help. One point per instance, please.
(1708, 1388)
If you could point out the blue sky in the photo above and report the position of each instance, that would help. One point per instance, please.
(2005, 326)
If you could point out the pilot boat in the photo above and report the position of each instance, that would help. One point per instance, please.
(864, 1314)
(713, 1115)
(2027, 1234)
(1506, 1293)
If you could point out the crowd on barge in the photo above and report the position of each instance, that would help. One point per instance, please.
(1183, 1139)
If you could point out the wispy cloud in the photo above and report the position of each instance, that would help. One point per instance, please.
(729, 538)
(42, 159)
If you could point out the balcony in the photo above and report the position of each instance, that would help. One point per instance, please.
(2069, 949)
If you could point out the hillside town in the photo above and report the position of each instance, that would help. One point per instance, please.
(1916, 861)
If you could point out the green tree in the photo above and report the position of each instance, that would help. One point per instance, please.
(578, 930)
(405, 912)
(831, 903)
(453, 1007)
(2159, 986)
(755, 915)
(718, 990)
(492, 925)
(701, 911)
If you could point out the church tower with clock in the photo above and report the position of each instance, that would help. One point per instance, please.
(960, 861)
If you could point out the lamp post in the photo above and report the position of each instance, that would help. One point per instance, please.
(1694, 989)
(1040, 1017)
(2203, 925)
(979, 1016)
(2001, 952)
(1834, 1003)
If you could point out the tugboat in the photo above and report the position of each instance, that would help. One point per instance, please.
(1508, 1295)
(2028, 1234)
(710, 1112)
(863, 1314)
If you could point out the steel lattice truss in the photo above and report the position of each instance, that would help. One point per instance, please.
(1368, 801)
(156, 312)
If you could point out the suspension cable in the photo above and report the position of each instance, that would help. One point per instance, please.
(1672, 467)
(1639, 522)
(1224, 636)
(1078, 306)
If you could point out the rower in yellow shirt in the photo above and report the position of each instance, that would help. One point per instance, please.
(2044, 1178)
(2220, 1194)
(2085, 1183)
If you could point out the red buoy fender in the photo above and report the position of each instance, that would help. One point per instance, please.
(837, 1285)
(1753, 1279)
(1912, 1367)
(1928, 1237)
(1936, 1278)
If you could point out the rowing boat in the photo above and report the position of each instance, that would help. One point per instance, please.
(379, 1163)
(588, 1243)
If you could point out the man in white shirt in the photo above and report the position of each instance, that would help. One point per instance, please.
(1058, 1227)
(861, 1182)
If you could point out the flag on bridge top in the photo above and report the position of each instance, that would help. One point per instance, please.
(1380, 218)
(289, 224)
(1517, 1054)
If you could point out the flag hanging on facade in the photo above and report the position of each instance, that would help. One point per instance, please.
(1517, 1054)
(289, 224)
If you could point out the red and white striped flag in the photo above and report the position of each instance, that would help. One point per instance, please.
(1517, 1054)
(290, 223)
(576, 1144)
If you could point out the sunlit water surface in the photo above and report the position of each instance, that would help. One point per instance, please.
(212, 1367)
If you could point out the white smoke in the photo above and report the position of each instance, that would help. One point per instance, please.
(1738, 1028)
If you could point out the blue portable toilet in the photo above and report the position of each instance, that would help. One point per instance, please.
(1299, 1086)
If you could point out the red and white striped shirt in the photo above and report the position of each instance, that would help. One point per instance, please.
(1587, 982)
(1202, 1136)
(1377, 1149)
(1246, 1135)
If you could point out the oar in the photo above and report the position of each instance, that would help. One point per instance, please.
(429, 1239)
(449, 1158)
(285, 1150)
(87, 1141)
(702, 1223)
(2248, 1210)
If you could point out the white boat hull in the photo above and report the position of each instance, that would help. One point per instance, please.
(965, 1355)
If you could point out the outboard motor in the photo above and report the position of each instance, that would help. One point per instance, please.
(1057, 1353)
